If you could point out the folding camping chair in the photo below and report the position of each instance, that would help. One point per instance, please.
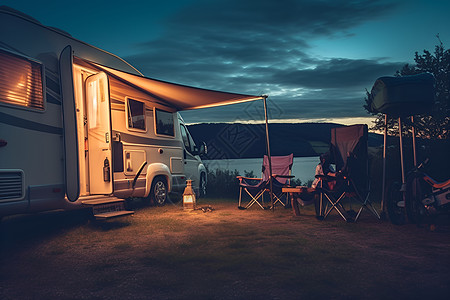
(351, 180)
(256, 187)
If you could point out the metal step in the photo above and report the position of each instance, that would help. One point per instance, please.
(105, 207)
(97, 200)
(113, 214)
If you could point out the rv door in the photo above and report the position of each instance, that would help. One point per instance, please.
(99, 134)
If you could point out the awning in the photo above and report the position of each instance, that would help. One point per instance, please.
(181, 97)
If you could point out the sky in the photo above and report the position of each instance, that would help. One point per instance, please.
(314, 59)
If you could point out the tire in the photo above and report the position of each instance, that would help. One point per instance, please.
(202, 186)
(158, 192)
(395, 211)
(416, 189)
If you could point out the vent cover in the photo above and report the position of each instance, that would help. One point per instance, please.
(11, 185)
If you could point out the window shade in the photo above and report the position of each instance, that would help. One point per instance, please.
(20, 81)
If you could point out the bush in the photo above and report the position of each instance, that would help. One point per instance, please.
(223, 184)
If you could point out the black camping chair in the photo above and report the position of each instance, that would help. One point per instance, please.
(351, 180)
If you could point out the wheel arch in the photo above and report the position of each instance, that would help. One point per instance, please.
(154, 170)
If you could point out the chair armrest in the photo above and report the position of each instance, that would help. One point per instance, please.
(249, 178)
(282, 176)
(328, 177)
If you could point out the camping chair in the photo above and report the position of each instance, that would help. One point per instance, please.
(351, 180)
(256, 187)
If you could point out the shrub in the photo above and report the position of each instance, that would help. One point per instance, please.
(223, 183)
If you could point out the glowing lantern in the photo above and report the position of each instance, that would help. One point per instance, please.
(189, 196)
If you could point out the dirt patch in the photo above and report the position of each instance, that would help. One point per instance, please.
(169, 253)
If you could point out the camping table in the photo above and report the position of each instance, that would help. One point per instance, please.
(299, 190)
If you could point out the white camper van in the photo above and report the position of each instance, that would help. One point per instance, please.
(80, 126)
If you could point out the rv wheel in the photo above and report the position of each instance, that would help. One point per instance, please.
(159, 191)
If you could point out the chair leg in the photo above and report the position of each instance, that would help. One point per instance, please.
(240, 196)
(278, 200)
(335, 204)
(254, 199)
(368, 205)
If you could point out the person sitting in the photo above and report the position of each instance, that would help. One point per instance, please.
(309, 196)
(322, 168)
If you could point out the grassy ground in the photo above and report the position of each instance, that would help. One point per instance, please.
(169, 253)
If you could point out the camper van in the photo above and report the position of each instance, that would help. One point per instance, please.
(81, 127)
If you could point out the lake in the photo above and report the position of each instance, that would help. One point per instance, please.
(303, 168)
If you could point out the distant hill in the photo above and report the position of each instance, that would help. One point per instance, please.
(249, 141)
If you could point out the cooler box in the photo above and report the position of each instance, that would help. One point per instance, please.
(403, 96)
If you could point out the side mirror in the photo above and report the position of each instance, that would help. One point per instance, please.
(199, 150)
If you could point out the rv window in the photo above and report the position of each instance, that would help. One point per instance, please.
(136, 114)
(188, 142)
(184, 136)
(21, 81)
(164, 122)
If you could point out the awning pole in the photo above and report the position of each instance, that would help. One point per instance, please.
(268, 152)
(401, 153)
(383, 188)
(414, 141)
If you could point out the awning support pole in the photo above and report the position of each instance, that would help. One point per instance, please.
(268, 152)
(414, 141)
(401, 153)
(383, 188)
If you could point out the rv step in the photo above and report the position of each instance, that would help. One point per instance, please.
(107, 207)
(101, 200)
(113, 214)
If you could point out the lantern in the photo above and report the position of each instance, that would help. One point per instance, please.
(189, 196)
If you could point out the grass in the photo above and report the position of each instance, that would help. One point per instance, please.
(167, 252)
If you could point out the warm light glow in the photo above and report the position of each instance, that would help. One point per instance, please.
(92, 102)
(188, 199)
(188, 196)
(21, 81)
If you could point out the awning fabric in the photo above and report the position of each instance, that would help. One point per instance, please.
(181, 97)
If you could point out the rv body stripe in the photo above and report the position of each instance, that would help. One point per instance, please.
(51, 84)
(27, 124)
(133, 139)
(115, 101)
(53, 100)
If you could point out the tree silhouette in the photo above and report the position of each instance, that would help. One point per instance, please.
(434, 125)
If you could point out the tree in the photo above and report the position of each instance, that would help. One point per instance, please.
(435, 125)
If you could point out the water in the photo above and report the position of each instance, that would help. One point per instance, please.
(303, 168)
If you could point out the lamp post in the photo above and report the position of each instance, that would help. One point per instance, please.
(189, 196)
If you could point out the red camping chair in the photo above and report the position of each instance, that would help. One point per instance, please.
(256, 187)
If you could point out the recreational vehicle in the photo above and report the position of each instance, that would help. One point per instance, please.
(81, 127)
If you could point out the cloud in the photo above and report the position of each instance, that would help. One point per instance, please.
(264, 46)
(335, 73)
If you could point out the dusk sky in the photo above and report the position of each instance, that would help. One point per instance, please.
(313, 58)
